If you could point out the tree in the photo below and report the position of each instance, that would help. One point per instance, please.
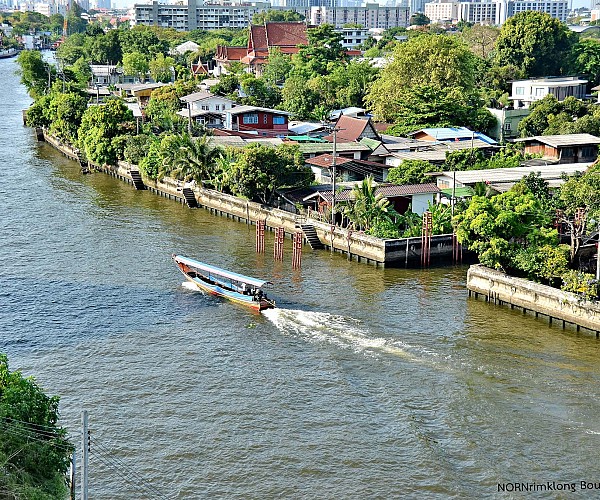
(411, 172)
(187, 158)
(75, 24)
(481, 39)
(67, 112)
(100, 125)
(259, 93)
(34, 450)
(104, 49)
(323, 51)
(586, 58)
(422, 106)
(135, 64)
(71, 49)
(269, 16)
(548, 112)
(278, 67)
(142, 39)
(36, 75)
(501, 227)
(350, 83)
(161, 68)
(419, 19)
(368, 209)
(536, 43)
(82, 72)
(298, 99)
(259, 170)
(427, 61)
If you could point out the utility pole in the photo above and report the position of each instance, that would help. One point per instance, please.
(333, 165)
(85, 455)
(189, 106)
(598, 256)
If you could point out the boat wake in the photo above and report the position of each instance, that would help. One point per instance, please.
(337, 330)
(190, 286)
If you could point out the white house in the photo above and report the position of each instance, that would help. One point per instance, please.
(525, 92)
(206, 107)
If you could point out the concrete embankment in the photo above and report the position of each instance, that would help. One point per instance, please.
(356, 245)
(554, 304)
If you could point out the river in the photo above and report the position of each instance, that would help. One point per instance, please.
(365, 383)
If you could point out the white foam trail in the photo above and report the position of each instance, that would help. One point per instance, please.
(337, 330)
(190, 286)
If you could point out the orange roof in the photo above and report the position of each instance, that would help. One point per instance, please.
(350, 129)
(225, 53)
(286, 34)
(326, 160)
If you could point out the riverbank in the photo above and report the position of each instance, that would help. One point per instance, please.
(554, 304)
(355, 245)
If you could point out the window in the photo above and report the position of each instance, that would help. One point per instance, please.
(279, 120)
(507, 127)
(250, 118)
(520, 90)
(265, 119)
(588, 152)
(217, 107)
(204, 107)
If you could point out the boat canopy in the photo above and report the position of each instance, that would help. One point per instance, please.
(220, 272)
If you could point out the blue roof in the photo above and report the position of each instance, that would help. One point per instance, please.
(455, 133)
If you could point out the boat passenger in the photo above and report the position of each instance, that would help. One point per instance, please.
(244, 288)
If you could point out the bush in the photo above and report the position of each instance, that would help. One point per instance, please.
(384, 228)
(583, 284)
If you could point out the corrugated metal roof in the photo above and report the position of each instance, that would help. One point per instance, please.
(249, 109)
(327, 147)
(387, 190)
(501, 175)
(565, 140)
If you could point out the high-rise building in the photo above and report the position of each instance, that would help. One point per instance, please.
(372, 15)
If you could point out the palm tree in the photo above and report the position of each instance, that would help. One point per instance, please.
(368, 207)
(188, 158)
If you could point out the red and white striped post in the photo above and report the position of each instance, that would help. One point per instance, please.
(260, 236)
(297, 253)
(278, 245)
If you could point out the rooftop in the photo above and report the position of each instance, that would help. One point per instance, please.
(565, 140)
(250, 109)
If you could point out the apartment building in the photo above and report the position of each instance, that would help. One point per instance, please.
(371, 15)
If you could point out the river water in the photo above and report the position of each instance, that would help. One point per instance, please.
(365, 383)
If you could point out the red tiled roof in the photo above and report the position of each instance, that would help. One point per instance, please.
(353, 53)
(286, 34)
(350, 129)
(257, 38)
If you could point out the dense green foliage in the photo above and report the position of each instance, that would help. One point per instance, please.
(34, 450)
(535, 42)
(101, 127)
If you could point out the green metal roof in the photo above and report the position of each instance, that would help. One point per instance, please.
(459, 192)
(372, 143)
(304, 138)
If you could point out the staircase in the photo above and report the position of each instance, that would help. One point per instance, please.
(136, 177)
(190, 197)
(311, 236)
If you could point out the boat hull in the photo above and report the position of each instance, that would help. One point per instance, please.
(239, 298)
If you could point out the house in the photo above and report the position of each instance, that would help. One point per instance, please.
(347, 169)
(502, 179)
(350, 129)
(526, 92)
(285, 36)
(104, 75)
(261, 121)
(351, 111)
(225, 56)
(435, 153)
(416, 196)
(446, 134)
(184, 47)
(141, 91)
(354, 150)
(206, 107)
(568, 148)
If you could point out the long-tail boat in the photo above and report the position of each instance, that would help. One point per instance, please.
(233, 286)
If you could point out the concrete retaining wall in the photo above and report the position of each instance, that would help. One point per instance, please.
(540, 299)
(356, 245)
